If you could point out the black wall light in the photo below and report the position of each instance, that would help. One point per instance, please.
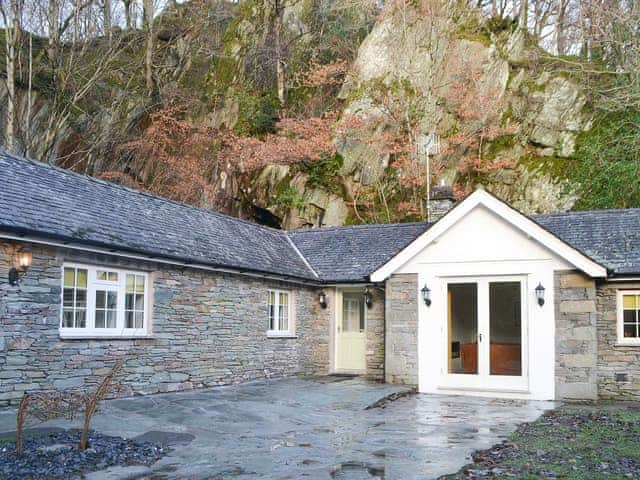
(426, 295)
(23, 260)
(368, 298)
(540, 294)
(322, 299)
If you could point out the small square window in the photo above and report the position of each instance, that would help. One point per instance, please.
(629, 317)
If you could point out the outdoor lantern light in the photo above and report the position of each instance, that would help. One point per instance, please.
(540, 294)
(23, 258)
(368, 299)
(426, 295)
(322, 299)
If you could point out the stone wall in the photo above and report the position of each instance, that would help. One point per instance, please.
(402, 329)
(321, 332)
(618, 365)
(208, 329)
(576, 344)
(374, 348)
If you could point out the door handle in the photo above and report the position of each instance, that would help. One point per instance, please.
(480, 337)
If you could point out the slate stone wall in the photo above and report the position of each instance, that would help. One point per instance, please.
(576, 338)
(208, 329)
(618, 365)
(402, 329)
(374, 348)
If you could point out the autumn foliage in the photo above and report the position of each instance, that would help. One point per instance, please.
(173, 155)
(296, 140)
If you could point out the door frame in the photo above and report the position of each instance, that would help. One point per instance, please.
(483, 380)
(337, 319)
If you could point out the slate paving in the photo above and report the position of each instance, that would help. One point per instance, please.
(307, 428)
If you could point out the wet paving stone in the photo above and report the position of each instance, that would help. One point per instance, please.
(312, 428)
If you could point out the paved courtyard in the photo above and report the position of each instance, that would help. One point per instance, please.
(306, 428)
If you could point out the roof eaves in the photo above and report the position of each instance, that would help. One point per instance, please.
(146, 255)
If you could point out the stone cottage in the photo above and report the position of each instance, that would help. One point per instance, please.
(484, 301)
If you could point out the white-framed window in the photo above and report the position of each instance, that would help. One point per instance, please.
(629, 317)
(279, 307)
(104, 302)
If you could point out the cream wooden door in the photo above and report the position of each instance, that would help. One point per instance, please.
(350, 335)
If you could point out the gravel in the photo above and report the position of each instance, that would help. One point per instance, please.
(56, 455)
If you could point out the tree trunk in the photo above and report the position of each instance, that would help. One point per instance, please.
(107, 19)
(127, 13)
(148, 26)
(12, 34)
(27, 142)
(559, 27)
(280, 65)
(53, 33)
(524, 15)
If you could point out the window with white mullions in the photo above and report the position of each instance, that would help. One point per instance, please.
(134, 301)
(74, 298)
(100, 302)
(279, 309)
(106, 299)
(106, 308)
(629, 317)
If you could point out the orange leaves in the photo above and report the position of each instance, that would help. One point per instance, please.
(478, 165)
(479, 109)
(295, 141)
(319, 75)
(174, 155)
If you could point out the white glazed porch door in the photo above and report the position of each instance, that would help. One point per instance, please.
(485, 334)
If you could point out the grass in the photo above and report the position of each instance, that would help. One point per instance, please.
(579, 443)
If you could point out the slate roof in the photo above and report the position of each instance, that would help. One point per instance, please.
(37, 198)
(47, 201)
(347, 254)
(610, 237)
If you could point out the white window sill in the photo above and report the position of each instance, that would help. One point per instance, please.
(93, 335)
(281, 335)
(627, 343)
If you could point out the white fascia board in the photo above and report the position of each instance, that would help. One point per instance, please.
(509, 214)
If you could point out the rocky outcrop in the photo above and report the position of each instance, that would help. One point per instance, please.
(409, 68)
(540, 112)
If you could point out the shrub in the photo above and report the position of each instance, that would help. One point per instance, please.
(257, 115)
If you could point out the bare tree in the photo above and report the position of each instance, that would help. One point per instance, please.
(11, 11)
(560, 37)
(128, 5)
(106, 9)
(148, 28)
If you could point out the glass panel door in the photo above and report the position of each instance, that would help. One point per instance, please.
(463, 328)
(505, 328)
(485, 334)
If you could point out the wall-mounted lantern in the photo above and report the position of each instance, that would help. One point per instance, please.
(540, 294)
(426, 295)
(23, 260)
(368, 298)
(322, 299)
